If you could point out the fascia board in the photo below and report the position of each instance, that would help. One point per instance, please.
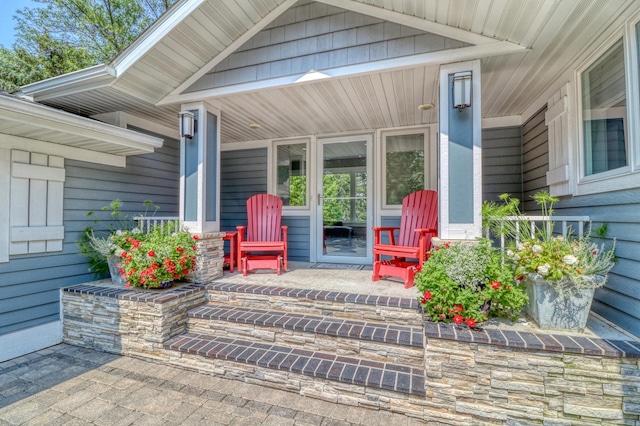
(45, 117)
(78, 81)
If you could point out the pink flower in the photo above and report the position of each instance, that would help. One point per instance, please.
(442, 316)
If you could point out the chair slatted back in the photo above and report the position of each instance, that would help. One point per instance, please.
(264, 215)
(419, 211)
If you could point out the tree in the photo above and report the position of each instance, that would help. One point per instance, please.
(68, 35)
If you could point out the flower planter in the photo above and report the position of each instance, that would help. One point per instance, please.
(114, 270)
(550, 310)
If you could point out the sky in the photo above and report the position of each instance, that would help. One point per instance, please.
(7, 10)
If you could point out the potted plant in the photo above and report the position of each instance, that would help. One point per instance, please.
(468, 283)
(155, 259)
(560, 273)
(101, 248)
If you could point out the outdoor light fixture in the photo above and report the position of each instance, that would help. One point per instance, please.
(187, 124)
(462, 90)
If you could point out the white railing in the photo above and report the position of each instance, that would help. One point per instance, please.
(567, 224)
(146, 224)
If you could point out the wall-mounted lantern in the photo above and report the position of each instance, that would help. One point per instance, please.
(462, 90)
(187, 124)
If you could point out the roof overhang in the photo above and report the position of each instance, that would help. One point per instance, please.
(22, 120)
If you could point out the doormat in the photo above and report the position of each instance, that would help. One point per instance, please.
(338, 266)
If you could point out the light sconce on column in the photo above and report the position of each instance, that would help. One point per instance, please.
(187, 124)
(462, 90)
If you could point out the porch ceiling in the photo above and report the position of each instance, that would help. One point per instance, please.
(195, 35)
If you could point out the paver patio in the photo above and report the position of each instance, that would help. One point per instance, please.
(68, 385)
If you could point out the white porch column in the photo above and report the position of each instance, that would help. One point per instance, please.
(200, 170)
(460, 135)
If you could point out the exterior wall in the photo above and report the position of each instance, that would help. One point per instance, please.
(501, 163)
(29, 284)
(535, 159)
(243, 174)
(315, 36)
(619, 300)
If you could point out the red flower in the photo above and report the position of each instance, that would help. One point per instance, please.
(429, 255)
(442, 316)
(423, 300)
(195, 237)
(447, 245)
(135, 243)
(123, 254)
(194, 247)
(427, 295)
(151, 253)
(121, 271)
(471, 322)
(127, 285)
(495, 284)
(458, 319)
(180, 249)
(520, 278)
(458, 307)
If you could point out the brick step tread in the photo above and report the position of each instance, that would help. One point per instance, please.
(393, 377)
(355, 329)
(332, 296)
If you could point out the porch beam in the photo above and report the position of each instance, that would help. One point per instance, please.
(495, 48)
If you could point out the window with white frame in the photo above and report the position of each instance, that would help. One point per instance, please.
(404, 164)
(291, 172)
(604, 112)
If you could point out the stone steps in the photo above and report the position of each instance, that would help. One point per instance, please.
(365, 339)
(348, 348)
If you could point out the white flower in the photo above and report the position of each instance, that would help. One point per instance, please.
(516, 257)
(136, 231)
(510, 253)
(519, 246)
(570, 259)
(536, 248)
(543, 269)
(119, 233)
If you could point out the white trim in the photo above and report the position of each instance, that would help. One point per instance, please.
(448, 230)
(18, 343)
(238, 146)
(36, 233)
(124, 119)
(272, 174)
(5, 200)
(442, 56)
(68, 152)
(34, 171)
(499, 122)
(154, 34)
(237, 43)
(74, 82)
(413, 21)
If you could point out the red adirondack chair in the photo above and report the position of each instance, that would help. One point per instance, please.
(419, 222)
(265, 235)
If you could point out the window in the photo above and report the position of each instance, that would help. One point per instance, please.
(291, 173)
(604, 112)
(404, 166)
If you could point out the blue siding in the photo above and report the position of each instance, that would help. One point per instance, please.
(619, 300)
(535, 159)
(29, 284)
(501, 163)
(243, 174)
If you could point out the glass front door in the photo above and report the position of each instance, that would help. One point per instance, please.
(344, 200)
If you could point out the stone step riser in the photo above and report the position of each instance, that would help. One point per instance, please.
(406, 314)
(375, 351)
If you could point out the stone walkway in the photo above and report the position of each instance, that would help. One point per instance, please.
(68, 385)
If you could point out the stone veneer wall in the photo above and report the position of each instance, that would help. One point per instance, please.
(469, 381)
(128, 322)
(210, 257)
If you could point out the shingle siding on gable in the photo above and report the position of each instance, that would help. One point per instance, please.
(29, 284)
(316, 36)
